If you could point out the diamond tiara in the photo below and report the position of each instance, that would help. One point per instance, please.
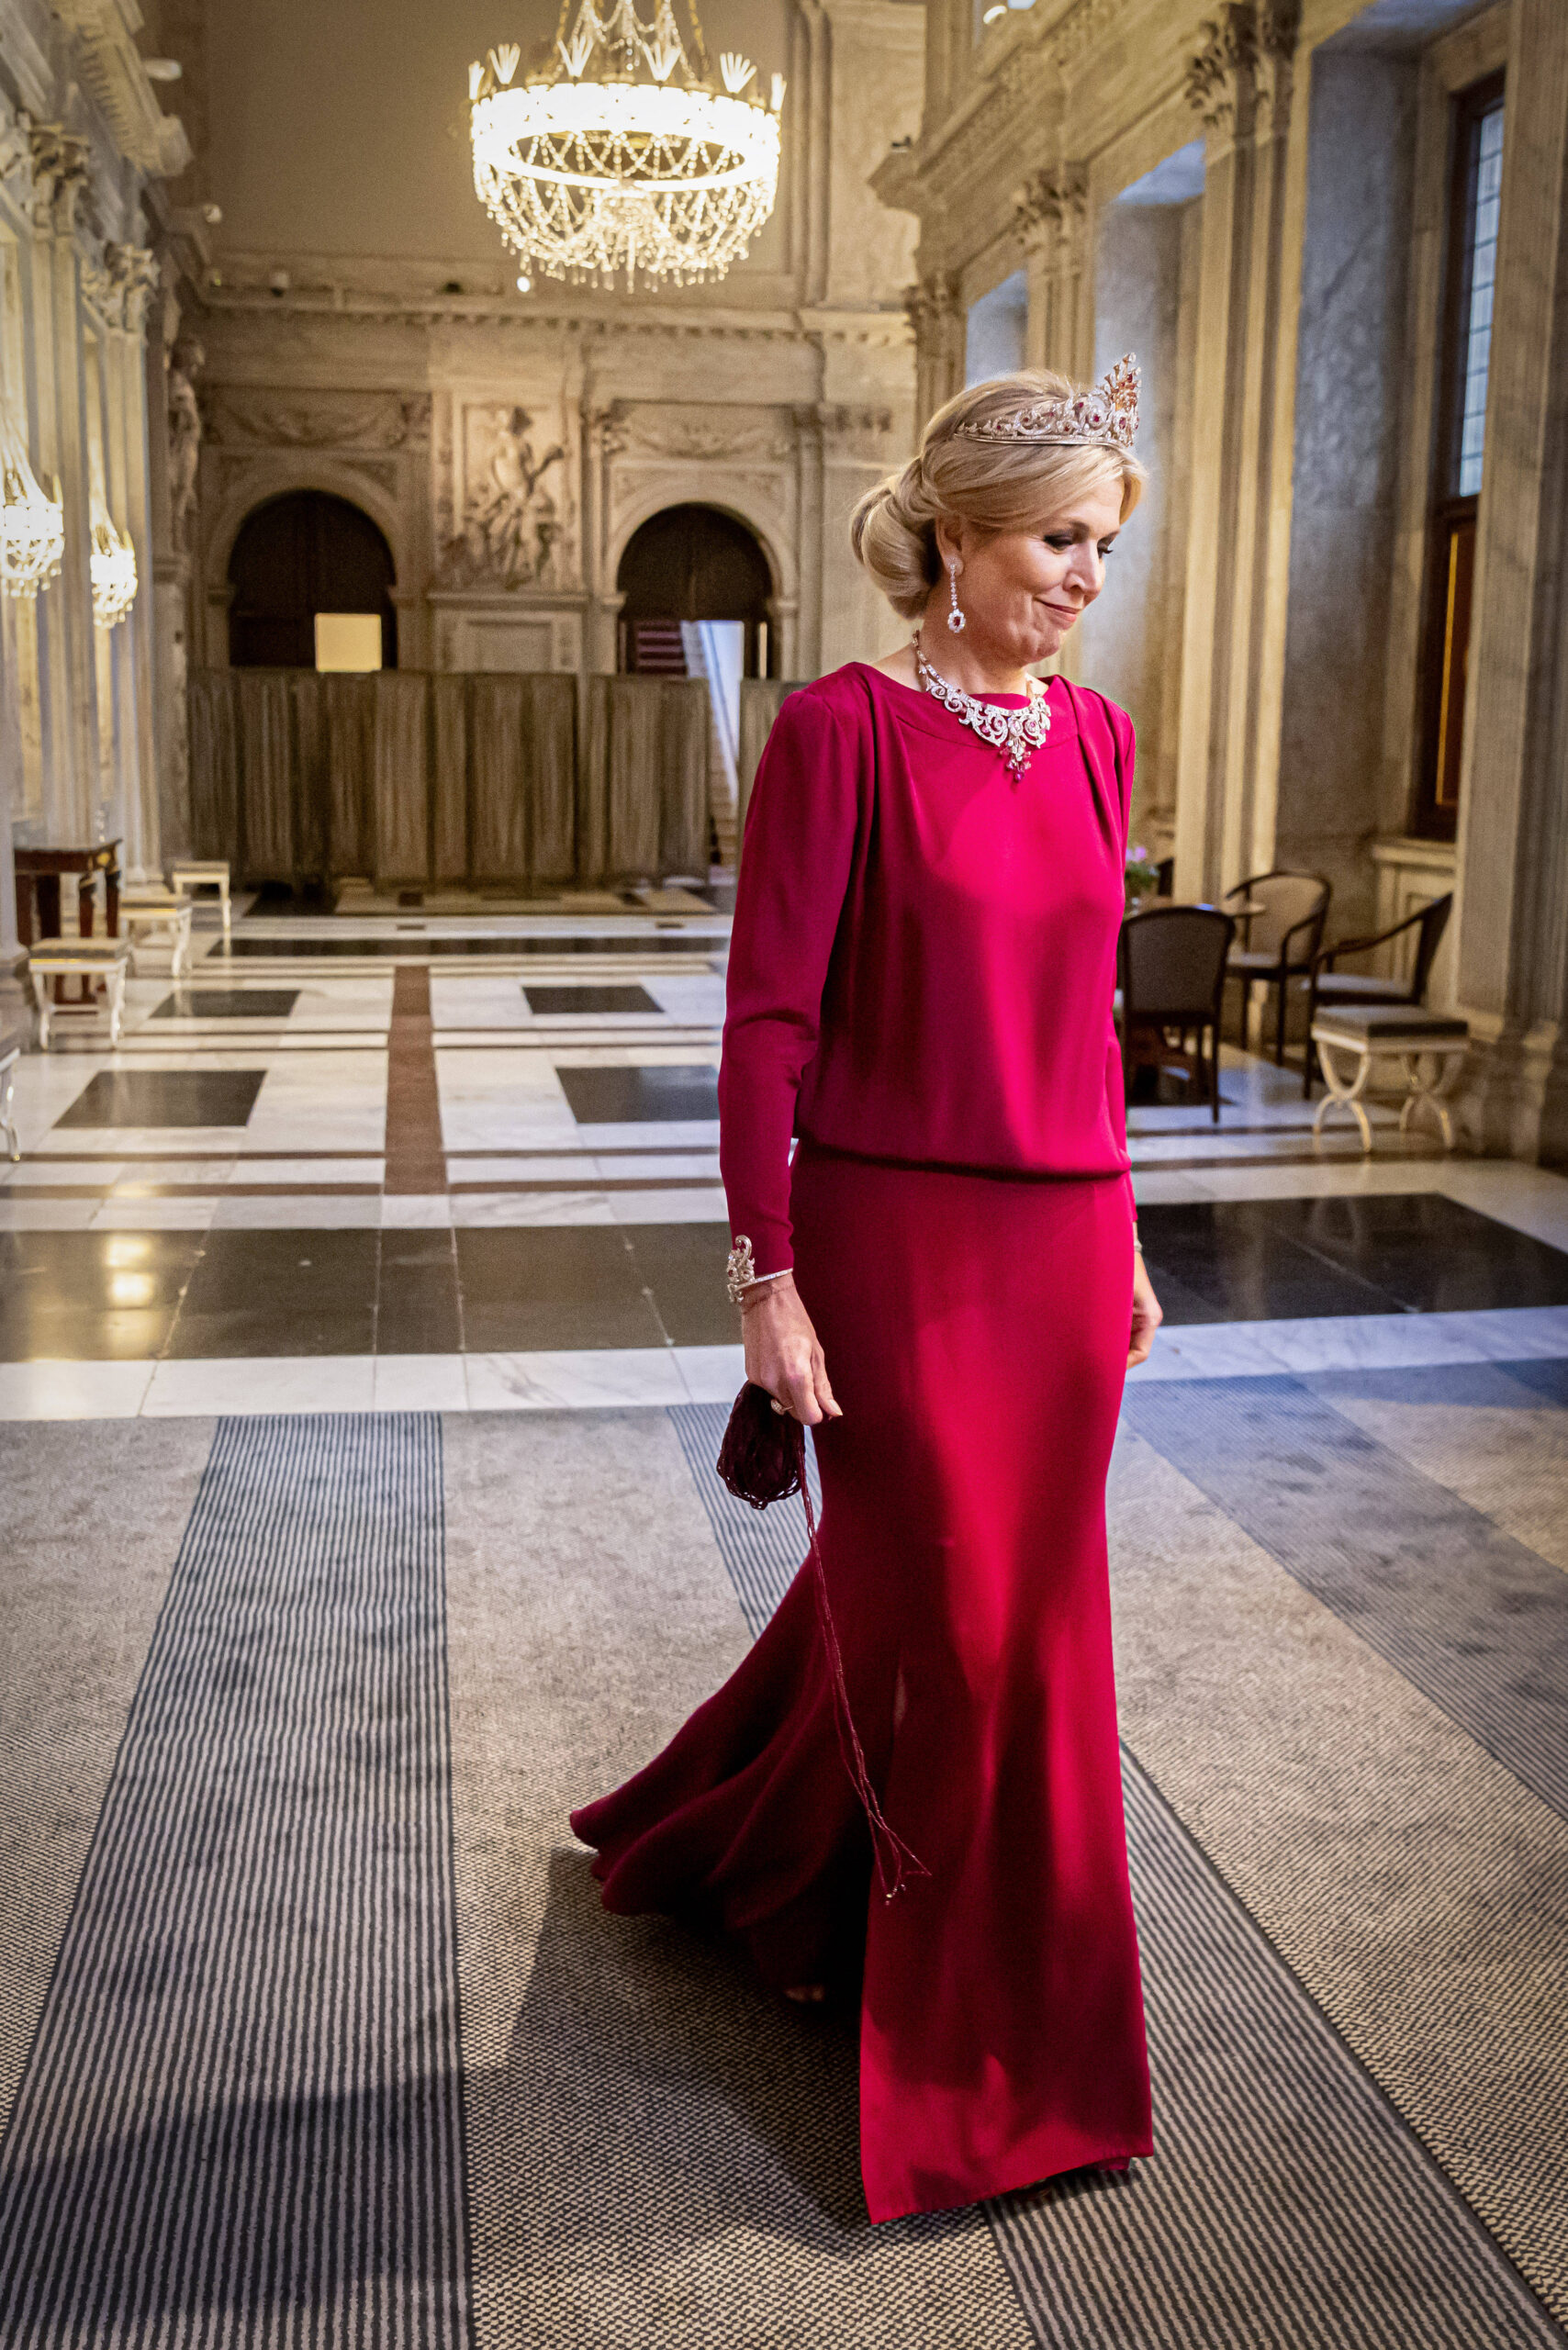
(1107, 415)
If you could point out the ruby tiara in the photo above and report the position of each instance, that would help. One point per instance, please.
(1107, 415)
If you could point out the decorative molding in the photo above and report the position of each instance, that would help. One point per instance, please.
(316, 420)
(111, 70)
(699, 434)
(1245, 53)
(1051, 207)
(932, 306)
(131, 272)
(1220, 70)
(1079, 27)
(61, 163)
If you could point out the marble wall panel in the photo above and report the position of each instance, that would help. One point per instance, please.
(1130, 640)
(1349, 387)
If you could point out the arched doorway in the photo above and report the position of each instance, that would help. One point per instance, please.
(691, 563)
(297, 555)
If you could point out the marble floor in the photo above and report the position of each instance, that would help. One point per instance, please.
(470, 1162)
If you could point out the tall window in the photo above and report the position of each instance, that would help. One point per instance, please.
(1476, 168)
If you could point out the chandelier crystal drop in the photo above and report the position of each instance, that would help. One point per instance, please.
(113, 568)
(32, 525)
(621, 156)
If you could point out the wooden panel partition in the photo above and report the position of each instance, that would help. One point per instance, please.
(414, 780)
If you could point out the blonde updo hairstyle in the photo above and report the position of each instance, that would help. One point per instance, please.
(993, 486)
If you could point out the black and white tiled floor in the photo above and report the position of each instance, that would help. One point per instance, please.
(212, 1217)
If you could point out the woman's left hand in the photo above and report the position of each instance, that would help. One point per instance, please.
(1146, 1315)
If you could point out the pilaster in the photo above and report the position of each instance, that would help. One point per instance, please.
(70, 706)
(1512, 948)
(1240, 81)
(1051, 213)
(133, 272)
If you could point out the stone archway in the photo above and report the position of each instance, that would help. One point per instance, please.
(303, 551)
(694, 562)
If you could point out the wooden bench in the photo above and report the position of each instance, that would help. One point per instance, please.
(147, 912)
(108, 959)
(188, 873)
(1431, 1045)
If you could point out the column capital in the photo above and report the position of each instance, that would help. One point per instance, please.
(1222, 69)
(1051, 209)
(931, 303)
(60, 162)
(131, 272)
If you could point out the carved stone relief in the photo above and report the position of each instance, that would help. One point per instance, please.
(699, 434)
(322, 420)
(515, 509)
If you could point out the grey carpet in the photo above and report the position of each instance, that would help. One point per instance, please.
(1287, 2202)
(240, 2120)
(1417, 1891)
(661, 2156)
(92, 1514)
(1470, 1616)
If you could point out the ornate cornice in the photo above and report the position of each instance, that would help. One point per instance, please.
(111, 70)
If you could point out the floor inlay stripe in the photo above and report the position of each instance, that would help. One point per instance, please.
(1287, 2202)
(241, 2120)
(415, 1160)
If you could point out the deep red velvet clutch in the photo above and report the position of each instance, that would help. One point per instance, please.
(763, 1457)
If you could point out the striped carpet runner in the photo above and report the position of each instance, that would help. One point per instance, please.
(1288, 2203)
(241, 2120)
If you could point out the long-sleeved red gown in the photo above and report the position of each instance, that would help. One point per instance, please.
(920, 987)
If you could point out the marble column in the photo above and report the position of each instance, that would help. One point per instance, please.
(1241, 83)
(1512, 949)
(1051, 212)
(67, 664)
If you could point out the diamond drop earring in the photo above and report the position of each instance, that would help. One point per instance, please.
(956, 619)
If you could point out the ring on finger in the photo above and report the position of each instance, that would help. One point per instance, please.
(778, 1406)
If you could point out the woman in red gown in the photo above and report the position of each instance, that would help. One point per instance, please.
(946, 1286)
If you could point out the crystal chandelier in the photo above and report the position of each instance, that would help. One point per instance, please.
(113, 568)
(619, 156)
(33, 526)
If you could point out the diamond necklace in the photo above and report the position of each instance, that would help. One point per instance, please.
(1018, 733)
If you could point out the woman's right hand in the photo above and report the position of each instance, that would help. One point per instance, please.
(782, 1352)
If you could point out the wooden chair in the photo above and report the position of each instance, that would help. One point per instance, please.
(1329, 989)
(1279, 940)
(1170, 963)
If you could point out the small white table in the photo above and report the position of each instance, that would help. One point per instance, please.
(188, 873)
(9, 1055)
(99, 959)
(147, 913)
(1431, 1045)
